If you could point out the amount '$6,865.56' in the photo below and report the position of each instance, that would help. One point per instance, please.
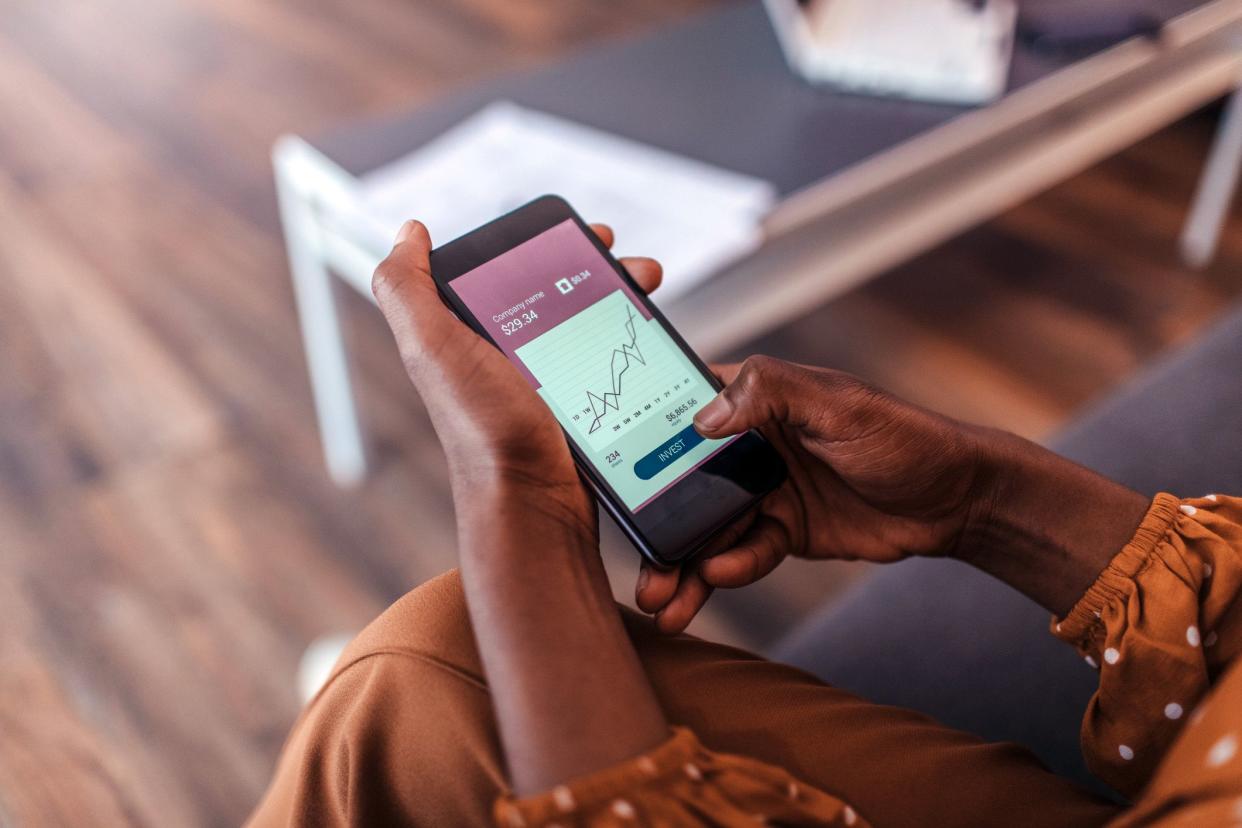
(684, 408)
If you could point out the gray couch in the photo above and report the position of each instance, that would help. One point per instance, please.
(951, 642)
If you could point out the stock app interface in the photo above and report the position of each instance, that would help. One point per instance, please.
(616, 381)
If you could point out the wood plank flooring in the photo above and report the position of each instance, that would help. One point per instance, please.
(169, 542)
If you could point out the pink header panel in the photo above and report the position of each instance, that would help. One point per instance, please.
(554, 275)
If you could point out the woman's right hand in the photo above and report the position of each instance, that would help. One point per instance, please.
(873, 477)
(869, 477)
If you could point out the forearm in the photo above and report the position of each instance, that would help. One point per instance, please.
(569, 691)
(1047, 526)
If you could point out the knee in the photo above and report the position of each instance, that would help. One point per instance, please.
(404, 726)
(430, 621)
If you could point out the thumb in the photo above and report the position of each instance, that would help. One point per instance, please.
(762, 391)
(406, 294)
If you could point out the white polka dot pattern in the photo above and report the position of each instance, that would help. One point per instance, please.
(623, 809)
(1192, 635)
(1112, 655)
(564, 798)
(1223, 751)
(675, 780)
(1126, 752)
(1173, 710)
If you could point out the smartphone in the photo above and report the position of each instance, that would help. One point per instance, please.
(540, 286)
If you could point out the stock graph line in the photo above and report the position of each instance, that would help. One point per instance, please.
(606, 369)
(600, 403)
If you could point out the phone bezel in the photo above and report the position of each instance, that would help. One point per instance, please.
(749, 462)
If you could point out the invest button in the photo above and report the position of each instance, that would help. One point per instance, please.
(667, 453)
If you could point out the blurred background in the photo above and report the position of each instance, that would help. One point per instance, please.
(170, 537)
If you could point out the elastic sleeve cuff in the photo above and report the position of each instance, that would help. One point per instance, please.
(1082, 625)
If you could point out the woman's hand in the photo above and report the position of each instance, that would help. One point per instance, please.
(877, 478)
(492, 424)
(570, 694)
(869, 477)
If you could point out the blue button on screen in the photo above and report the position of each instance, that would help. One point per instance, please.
(667, 453)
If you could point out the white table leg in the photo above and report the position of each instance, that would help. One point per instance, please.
(1210, 209)
(322, 337)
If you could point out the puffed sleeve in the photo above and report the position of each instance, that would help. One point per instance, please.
(1200, 780)
(1162, 624)
(680, 783)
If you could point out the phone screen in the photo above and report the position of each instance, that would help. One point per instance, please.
(618, 383)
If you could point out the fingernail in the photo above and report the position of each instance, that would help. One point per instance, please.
(714, 414)
(644, 575)
(404, 233)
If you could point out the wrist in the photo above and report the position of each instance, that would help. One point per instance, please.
(541, 608)
(1044, 524)
(994, 464)
(514, 507)
(1041, 495)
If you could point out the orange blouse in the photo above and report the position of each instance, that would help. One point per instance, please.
(1161, 623)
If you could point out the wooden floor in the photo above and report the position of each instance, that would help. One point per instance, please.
(168, 540)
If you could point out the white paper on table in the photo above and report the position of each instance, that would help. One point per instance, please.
(692, 216)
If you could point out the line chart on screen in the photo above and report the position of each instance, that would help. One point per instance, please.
(607, 369)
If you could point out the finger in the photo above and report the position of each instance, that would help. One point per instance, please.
(753, 557)
(729, 537)
(407, 295)
(726, 373)
(692, 594)
(605, 234)
(655, 587)
(765, 390)
(647, 272)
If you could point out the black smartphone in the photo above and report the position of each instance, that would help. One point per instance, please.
(539, 285)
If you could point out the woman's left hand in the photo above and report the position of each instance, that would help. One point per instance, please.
(539, 599)
(492, 424)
